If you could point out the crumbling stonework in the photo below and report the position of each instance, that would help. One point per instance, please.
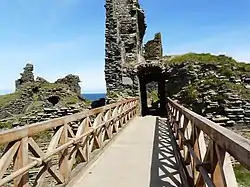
(153, 48)
(41, 80)
(203, 88)
(72, 81)
(125, 29)
(26, 77)
(33, 95)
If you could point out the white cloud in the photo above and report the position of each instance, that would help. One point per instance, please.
(93, 80)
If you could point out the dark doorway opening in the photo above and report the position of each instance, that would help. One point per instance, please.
(152, 95)
(152, 91)
(54, 100)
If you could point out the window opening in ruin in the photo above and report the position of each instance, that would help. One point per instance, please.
(54, 100)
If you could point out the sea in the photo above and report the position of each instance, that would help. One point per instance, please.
(94, 96)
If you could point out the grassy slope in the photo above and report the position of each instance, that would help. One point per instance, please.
(227, 63)
(242, 175)
(68, 99)
(229, 67)
(4, 99)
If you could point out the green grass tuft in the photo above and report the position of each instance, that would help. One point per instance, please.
(201, 58)
(242, 175)
(153, 95)
(5, 125)
(5, 99)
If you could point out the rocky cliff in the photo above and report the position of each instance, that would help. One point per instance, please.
(38, 100)
(217, 87)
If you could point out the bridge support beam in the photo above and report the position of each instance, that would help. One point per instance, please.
(143, 95)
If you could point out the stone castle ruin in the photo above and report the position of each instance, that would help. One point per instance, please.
(130, 66)
(34, 98)
(125, 29)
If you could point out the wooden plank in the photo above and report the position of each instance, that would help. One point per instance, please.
(229, 172)
(6, 159)
(197, 152)
(108, 125)
(77, 150)
(115, 125)
(55, 140)
(234, 144)
(39, 180)
(207, 158)
(21, 160)
(34, 148)
(36, 151)
(21, 132)
(225, 167)
(64, 155)
(217, 175)
(22, 166)
(187, 135)
(97, 122)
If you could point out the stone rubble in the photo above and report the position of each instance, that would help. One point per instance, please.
(26, 77)
(33, 95)
(72, 81)
(47, 114)
(229, 111)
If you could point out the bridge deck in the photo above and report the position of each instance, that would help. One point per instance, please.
(142, 155)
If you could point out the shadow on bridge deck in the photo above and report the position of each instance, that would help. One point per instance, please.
(155, 112)
(166, 168)
(142, 155)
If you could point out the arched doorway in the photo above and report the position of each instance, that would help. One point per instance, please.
(152, 77)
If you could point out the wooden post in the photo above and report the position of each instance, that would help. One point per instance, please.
(21, 160)
(64, 156)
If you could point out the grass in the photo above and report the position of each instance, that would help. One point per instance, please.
(5, 125)
(52, 86)
(242, 175)
(247, 134)
(35, 105)
(43, 136)
(71, 100)
(240, 89)
(229, 66)
(153, 95)
(201, 58)
(5, 99)
(192, 91)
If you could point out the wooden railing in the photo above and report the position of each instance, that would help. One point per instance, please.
(72, 143)
(207, 148)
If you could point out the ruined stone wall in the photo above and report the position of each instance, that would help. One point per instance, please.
(125, 28)
(26, 77)
(72, 81)
(153, 48)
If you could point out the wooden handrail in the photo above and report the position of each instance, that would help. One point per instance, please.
(23, 153)
(206, 147)
(20, 132)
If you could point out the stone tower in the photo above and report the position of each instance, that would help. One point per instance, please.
(125, 29)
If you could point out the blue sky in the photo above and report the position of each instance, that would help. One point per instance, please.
(67, 36)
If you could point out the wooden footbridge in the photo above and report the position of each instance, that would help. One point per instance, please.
(113, 146)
